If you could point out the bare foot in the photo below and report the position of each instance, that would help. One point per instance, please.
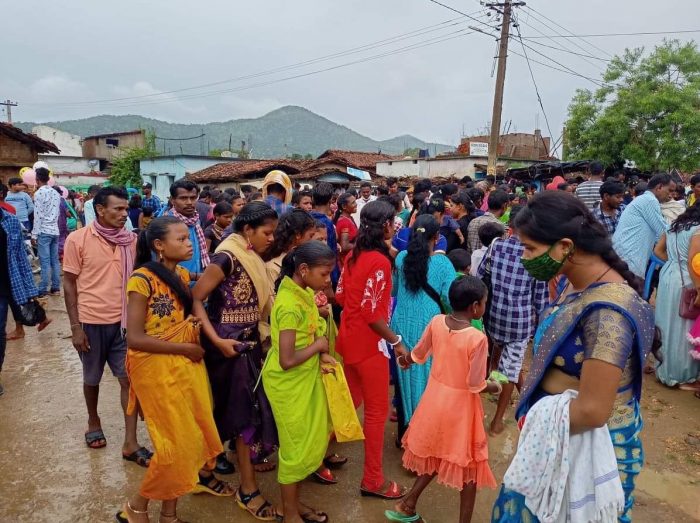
(136, 515)
(44, 324)
(496, 428)
(15, 335)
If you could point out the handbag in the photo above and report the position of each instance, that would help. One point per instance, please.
(29, 314)
(342, 411)
(686, 308)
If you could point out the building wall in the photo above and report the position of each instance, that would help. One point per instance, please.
(98, 147)
(69, 144)
(72, 180)
(13, 156)
(431, 167)
(400, 168)
(164, 171)
(67, 164)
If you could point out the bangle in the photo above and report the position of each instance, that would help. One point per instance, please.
(399, 339)
(74, 325)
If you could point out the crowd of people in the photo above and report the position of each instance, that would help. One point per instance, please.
(221, 312)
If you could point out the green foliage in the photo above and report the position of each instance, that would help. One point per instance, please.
(125, 168)
(215, 152)
(648, 111)
(413, 152)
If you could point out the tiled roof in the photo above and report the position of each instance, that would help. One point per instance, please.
(307, 169)
(15, 133)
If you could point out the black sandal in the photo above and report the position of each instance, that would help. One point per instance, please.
(96, 439)
(223, 465)
(205, 486)
(141, 457)
(243, 500)
(334, 465)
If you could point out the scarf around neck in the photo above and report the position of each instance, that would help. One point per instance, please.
(193, 221)
(124, 240)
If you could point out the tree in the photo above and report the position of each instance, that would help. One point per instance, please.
(215, 152)
(126, 171)
(648, 111)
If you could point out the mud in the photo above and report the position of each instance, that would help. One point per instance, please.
(48, 475)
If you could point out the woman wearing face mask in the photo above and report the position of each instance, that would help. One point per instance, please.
(593, 339)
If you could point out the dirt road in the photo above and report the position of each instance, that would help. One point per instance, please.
(48, 475)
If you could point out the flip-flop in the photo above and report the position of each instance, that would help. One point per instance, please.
(333, 465)
(94, 437)
(325, 477)
(393, 515)
(121, 517)
(392, 491)
(142, 457)
(15, 338)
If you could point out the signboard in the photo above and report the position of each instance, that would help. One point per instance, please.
(478, 149)
(358, 173)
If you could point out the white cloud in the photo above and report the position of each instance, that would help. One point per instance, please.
(57, 88)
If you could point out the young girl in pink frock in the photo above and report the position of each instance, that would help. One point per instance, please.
(446, 436)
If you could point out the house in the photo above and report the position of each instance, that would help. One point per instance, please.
(340, 168)
(106, 146)
(74, 172)
(69, 144)
(515, 146)
(163, 171)
(19, 149)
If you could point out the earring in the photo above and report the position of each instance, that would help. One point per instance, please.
(250, 245)
(160, 256)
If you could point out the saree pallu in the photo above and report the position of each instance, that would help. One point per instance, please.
(173, 393)
(558, 343)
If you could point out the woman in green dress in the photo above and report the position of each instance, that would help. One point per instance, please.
(292, 373)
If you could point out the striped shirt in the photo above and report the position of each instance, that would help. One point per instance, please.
(589, 193)
(640, 227)
(608, 221)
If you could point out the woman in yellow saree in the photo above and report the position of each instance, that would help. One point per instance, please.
(167, 375)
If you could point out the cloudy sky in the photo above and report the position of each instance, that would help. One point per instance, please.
(434, 81)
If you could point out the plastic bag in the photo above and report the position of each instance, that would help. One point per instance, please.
(344, 419)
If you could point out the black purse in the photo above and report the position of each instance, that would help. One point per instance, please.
(29, 314)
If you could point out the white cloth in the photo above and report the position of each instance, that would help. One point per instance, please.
(361, 202)
(47, 205)
(477, 256)
(565, 479)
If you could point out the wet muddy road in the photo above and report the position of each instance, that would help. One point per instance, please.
(48, 475)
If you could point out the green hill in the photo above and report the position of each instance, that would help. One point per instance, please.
(282, 132)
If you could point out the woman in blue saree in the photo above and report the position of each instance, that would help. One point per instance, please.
(593, 338)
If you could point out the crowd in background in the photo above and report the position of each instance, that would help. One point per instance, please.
(233, 307)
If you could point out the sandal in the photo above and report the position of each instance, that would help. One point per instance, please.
(223, 465)
(96, 439)
(243, 500)
(264, 465)
(307, 519)
(212, 485)
(334, 461)
(393, 515)
(141, 457)
(324, 477)
(392, 491)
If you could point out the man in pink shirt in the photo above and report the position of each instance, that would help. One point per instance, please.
(98, 260)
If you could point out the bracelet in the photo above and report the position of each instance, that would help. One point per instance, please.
(399, 340)
(75, 325)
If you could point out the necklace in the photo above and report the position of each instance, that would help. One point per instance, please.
(568, 284)
(455, 318)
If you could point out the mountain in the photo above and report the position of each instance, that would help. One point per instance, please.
(280, 133)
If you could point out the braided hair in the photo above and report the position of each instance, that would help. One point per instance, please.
(343, 200)
(417, 261)
(292, 223)
(255, 214)
(370, 237)
(553, 215)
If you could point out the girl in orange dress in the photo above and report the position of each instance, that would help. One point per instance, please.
(440, 442)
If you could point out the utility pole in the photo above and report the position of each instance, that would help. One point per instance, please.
(500, 80)
(8, 107)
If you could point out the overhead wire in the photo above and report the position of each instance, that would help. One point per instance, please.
(355, 50)
(454, 10)
(418, 45)
(566, 50)
(590, 44)
(534, 82)
(600, 35)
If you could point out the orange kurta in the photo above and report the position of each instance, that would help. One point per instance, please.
(174, 395)
(446, 435)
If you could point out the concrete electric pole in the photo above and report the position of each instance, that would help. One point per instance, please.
(505, 9)
(8, 107)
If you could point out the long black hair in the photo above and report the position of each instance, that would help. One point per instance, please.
(343, 200)
(416, 204)
(432, 205)
(291, 223)
(690, 218)
(370, 237)
(255, 214)
(158, 229)
(312, 253)
(552, 215)
(415, 265)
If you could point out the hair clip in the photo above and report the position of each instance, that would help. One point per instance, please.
(420, 229)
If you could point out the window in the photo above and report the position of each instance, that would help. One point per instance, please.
(415, 162)
(391, 163)
(112, 142)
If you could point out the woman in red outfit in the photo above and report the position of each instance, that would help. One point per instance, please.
(364, 292)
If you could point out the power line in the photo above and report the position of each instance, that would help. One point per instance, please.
(566, 50)
(418, 45)
(367, 47)
(601, 35)
(568, 30)
(569, 69)
(461, 13)
(180, 139)
(534, 82)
